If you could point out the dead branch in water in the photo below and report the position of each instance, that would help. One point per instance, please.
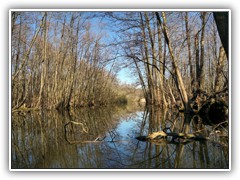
(162, 134)
(85, 129)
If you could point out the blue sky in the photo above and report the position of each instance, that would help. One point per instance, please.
(125, 76)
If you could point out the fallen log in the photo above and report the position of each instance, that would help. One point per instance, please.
(161, 134)
(157, 134)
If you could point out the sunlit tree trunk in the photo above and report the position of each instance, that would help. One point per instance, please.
(74, 56)
(161, 64)
(189, 51)
(202, 57)
(156, 97)
(147, 64)
(43, 65)
(182, 92)
(219, 69)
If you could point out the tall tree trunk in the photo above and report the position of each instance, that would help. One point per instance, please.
(197, 60)
(74, 57)
(154, 59)
(182, 92)
(44, 64)
(161, 64)
(147, 64)
(202, 59)
(58, 77)
(219, 69)
(189, 51)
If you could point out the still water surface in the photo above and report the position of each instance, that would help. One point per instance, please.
(105, 138)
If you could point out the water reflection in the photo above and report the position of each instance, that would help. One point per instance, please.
(105, 138)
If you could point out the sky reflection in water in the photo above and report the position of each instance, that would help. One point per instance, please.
(40, 140)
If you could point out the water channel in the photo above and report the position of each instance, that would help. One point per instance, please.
(99, 138)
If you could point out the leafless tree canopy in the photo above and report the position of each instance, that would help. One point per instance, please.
(69, 59)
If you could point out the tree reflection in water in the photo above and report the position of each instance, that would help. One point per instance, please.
(105, 138)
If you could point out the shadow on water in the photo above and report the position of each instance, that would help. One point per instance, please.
(105, 138)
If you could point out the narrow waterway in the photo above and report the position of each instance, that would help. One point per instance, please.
(106, 138)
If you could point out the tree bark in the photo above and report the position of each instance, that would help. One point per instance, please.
(197, 60)
(43, 64)
(147, 64)
(154, 62)
(221, 19)
(219, 69)
(161, 63)
(189, 51)
(202, 59)
(183, 91)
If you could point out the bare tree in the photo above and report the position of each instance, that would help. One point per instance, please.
(179, 80)
(43, 63)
